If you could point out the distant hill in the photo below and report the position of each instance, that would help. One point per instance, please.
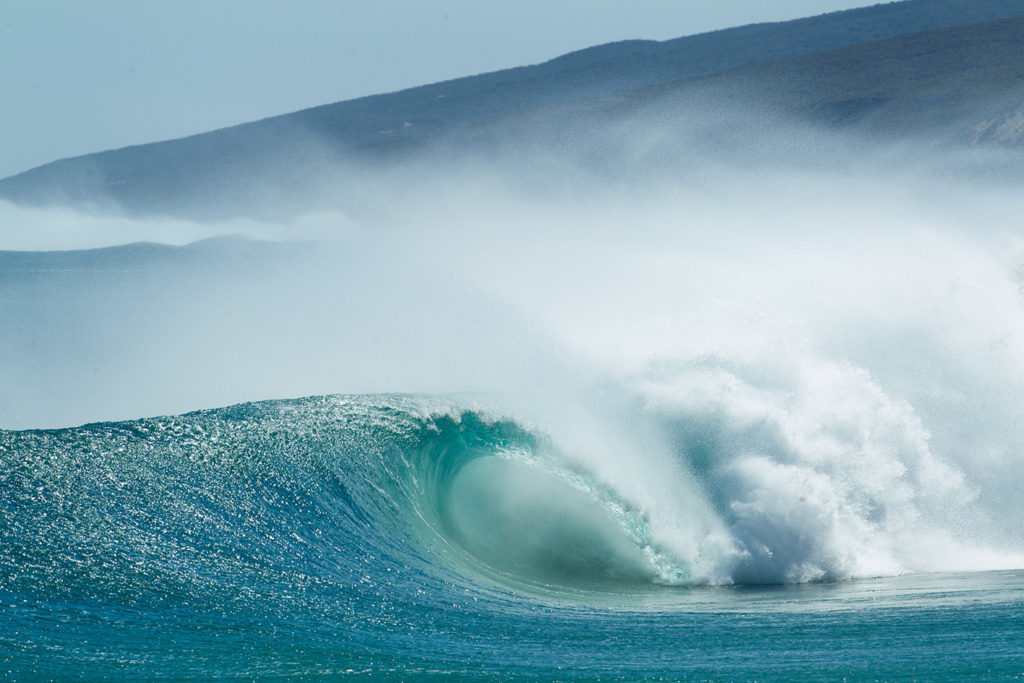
(966, 81)
(963, 75)
(951, 64)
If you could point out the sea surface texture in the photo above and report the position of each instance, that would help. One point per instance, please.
(417, 538)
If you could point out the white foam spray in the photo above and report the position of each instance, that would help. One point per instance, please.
(792, 370)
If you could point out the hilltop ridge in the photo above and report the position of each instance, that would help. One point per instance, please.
(892, 67)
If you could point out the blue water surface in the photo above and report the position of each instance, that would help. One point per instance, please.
(320, 538)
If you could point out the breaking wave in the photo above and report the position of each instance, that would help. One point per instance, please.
(401, 495)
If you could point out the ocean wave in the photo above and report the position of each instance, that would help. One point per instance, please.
(401, 498)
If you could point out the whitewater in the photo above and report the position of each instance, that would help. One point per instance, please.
(684, 417)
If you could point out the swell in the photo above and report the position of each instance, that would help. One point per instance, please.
(329, 504)
(344, 506)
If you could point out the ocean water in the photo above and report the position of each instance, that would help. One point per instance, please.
(746, 413)
(414, 538)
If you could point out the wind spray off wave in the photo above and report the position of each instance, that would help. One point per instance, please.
(764, 390)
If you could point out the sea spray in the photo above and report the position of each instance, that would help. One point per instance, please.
(774, 390)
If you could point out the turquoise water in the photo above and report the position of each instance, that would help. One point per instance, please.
(411, 538)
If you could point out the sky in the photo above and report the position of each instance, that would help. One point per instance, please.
(84, 76)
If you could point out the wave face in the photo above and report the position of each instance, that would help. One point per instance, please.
(288, 496)
(306, 488)
(364, 527)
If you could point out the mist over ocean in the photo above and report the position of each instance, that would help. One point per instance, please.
(696, 394)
